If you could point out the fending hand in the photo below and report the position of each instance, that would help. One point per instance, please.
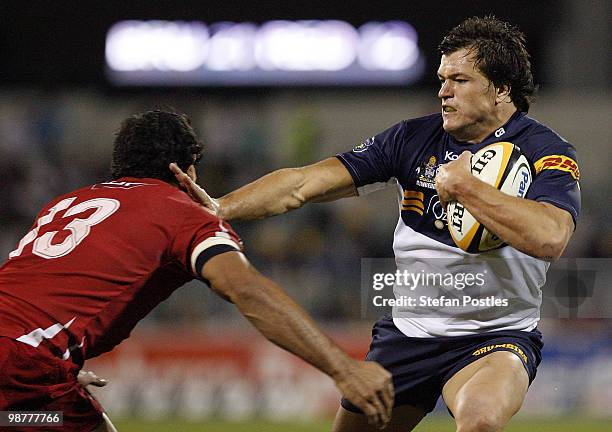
(197, 194)
(86, 378)
(369, 387)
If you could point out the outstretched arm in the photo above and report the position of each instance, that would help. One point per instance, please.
(278, 192)
(283, 322)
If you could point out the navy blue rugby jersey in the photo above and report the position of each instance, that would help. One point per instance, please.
(412, 150)
(408, 155)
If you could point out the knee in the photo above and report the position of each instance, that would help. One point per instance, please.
(480, 425)
(479, 421)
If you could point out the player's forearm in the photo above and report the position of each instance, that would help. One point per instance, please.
(527, 225)
(286, 324)
(273, 194)
(288, 189)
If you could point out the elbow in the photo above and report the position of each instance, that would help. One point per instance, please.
(550, 251)
(295, 198)
(235, 288)
(551, 246)
(254, 300)
(551, 237)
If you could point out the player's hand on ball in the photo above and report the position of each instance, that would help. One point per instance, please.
(369, 386)
(452, 174)
(86, 378)
(196, 193)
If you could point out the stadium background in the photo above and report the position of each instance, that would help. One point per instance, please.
(195, 363)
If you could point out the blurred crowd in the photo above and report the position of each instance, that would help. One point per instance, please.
(51, 143)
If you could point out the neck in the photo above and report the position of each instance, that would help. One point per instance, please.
(501, 117)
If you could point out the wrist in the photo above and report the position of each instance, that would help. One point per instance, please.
(220, 207)
(341, 367)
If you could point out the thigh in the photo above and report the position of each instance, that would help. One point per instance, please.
(488, 391)
(81, 411)
(403, 419)
(33, 379)
(415, 364)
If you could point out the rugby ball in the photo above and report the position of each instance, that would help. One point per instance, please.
(503, 166)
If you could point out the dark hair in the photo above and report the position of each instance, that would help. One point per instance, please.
(146, 143)
(499, 52)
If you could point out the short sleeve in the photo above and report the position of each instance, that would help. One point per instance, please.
(556, 179)
(374, 160)
(202, 236)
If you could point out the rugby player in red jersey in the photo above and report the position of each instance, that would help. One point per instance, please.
(98, 259)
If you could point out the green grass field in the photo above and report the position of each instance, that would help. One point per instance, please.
(429, 425)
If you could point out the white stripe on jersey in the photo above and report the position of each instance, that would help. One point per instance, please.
(509, 271)
(221, 238)
(35, 337)
(517, 275)
(426, 327)
(66, 355)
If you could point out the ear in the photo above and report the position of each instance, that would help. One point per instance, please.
(503, 95)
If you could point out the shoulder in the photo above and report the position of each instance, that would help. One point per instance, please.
(546, 149)
(152, 200)
(148, 192)
(424, 123)
(423, 128)
(173, 203)
(430, 120)
(417, 127)
(540, 140)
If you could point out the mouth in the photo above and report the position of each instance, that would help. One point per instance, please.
(448, 109)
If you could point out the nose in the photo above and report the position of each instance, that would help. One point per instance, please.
(445, 91)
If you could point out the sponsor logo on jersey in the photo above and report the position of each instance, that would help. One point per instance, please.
(119, 185)
(427, 173)
(504, 346)
(364, 145)
(558, 162)
(499, 132)
(436, 208)
(413, 201)
(449, 155)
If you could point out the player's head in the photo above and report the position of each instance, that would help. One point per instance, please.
(484, 68)
(148, 142)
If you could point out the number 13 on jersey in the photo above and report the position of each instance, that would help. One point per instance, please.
(79, 228)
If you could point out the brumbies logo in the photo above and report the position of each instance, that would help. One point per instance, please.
(364, 145)
(427, 173)
(501, 347)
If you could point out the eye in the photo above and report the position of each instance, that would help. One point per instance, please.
(461, 80)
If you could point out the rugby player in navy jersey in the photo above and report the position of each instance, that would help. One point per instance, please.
(98, 259)
(481, 362)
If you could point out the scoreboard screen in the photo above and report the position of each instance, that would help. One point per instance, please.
(273, 53)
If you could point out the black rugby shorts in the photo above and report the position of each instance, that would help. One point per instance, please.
(421, 366)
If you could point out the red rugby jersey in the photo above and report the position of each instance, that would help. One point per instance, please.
(99, 259)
